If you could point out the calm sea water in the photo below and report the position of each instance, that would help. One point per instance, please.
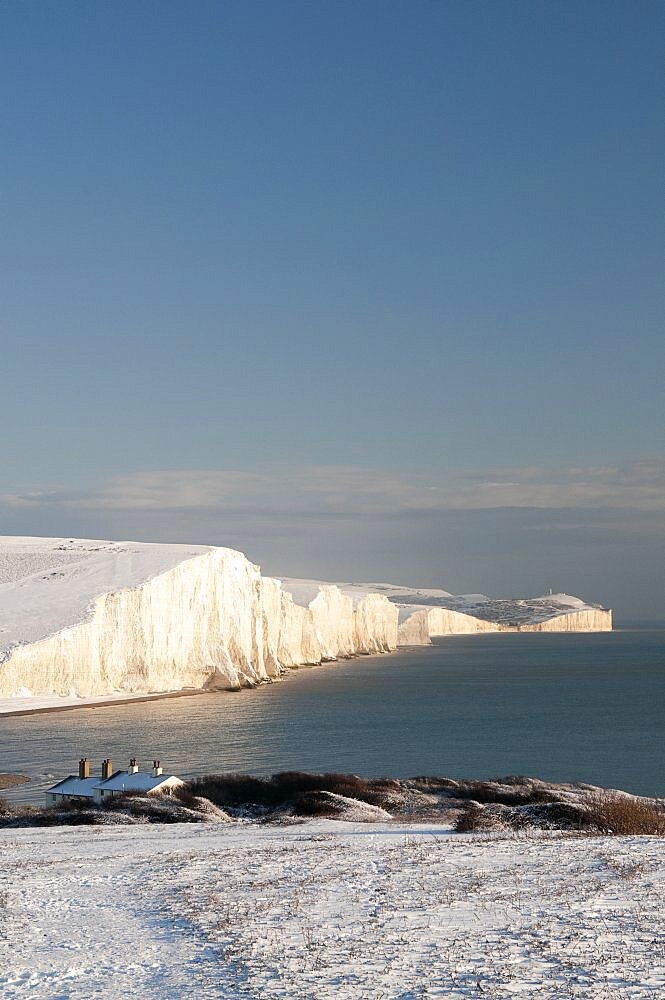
(563, 707)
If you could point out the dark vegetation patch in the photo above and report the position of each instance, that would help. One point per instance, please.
(127, 809)
(514, 803)
(333, 806)
(512, 791)
(428, 783)
(596, 812)
(476, 818)
(314, 804)
(624, 815)
(74, 814)
(287, 791)
(163, 808)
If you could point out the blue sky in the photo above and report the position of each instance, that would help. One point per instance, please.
(351, 286)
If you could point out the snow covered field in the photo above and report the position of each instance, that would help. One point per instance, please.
(328, 910)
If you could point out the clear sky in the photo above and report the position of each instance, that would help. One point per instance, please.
(366, 289)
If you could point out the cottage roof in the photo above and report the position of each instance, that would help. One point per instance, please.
(120, 781)
(136, 781)
(73, 785)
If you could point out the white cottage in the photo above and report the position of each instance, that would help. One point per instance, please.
(83, 788)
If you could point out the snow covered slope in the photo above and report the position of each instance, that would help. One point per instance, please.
(47, 584)
(328, 910)
(97, 618)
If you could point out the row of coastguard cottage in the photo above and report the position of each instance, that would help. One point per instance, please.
(83, 788)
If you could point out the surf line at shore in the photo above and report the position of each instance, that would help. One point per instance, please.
(105, 702)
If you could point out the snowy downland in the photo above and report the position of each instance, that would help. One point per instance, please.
(328, 910)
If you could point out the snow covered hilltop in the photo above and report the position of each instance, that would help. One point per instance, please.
(93, 618)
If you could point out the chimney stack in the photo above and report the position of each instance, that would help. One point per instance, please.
(84, 768)
(156, 768)
(107, 768)
(133, 765)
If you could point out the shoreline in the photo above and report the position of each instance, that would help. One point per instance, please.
(106, 702)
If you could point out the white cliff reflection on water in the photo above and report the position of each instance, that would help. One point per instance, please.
(558, 706)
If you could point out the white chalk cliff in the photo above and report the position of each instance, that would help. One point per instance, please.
(94, 618)
(192, 617)
(427, 614)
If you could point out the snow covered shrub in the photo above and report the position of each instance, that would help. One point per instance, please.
(475, 818)
(153, 808)
(25, 817)
(314, 804)
(550, 816)
(623, 815)
(374, 791)
(334, 806)
(260, 796)
(512, 791)
(429, 783)
(231, 790)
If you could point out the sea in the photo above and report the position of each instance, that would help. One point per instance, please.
(558, 706)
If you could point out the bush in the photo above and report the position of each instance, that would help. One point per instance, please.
(551, 816)
(428, 783)
(281, 791)
(315, 804)
(230, 790)
(152, 808)
(477, 819)
(624, 816)
(520, 791)
(601, 812)
(26, 817)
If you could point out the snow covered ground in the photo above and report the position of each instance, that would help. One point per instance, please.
(328, 910)
(48, 584)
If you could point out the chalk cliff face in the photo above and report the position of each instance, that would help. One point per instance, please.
(427, 613)
(423, 624)
(211, 620)
(442, 621)
(375, 624)
(99, 618)
(414, 630)
(589, 620)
